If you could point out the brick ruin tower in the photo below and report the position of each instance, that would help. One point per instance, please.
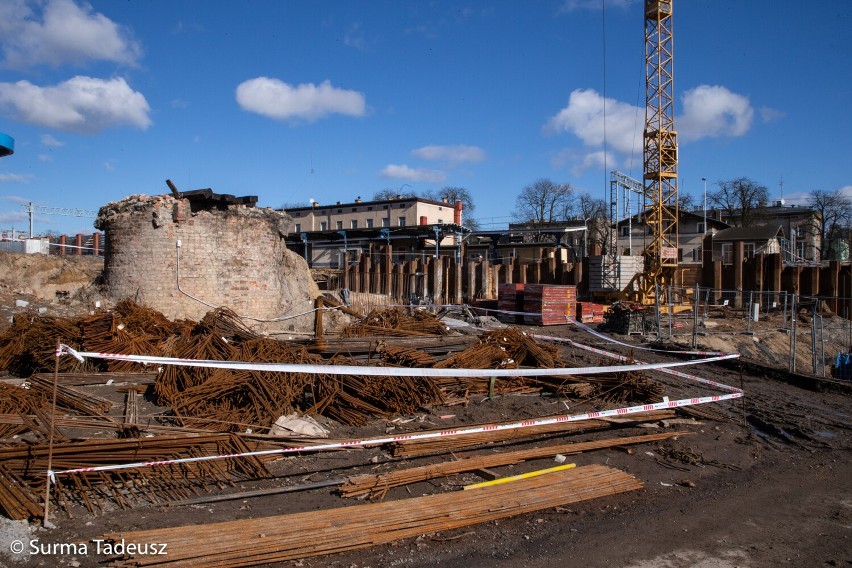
(187, 253)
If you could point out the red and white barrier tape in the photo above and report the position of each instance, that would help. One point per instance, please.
(737, 393)
(600, 335)
(381, 371)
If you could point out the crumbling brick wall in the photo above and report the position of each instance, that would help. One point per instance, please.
(231, 255)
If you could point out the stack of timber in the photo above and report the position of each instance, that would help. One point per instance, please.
(547, 304)
(377, 485)
(276, 539)
(495, 434)
(589, 312)
(510, 298)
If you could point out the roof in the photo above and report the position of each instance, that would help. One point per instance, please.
(757, 233)
(379, 233)
(315, 206)
(682, 216)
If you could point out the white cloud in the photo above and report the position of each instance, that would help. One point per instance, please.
(453, 155)
(81, 104)
(354, 37)
(713, 111)
(13, 218)
(402, 171)
(15, 178)
(51, 142)
(768, 114)
(708, 111)
(279, 100)
(63, 32)
(584, 117)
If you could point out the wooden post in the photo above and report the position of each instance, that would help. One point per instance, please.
(830, 281)
(345, 271)
(717, 281)
(577, 272)
(470, 270)
(739, 259)
(495, 286)
(437, 270)
(457, 272)
(318, 304)
(387, 266)
(536, 275)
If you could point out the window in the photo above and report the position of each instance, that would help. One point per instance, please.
(384, 206)
(340, 210)
(370, 208)
(369, 223)
(385, 221)
(727, 253)
(440, 221)
(402, 221)
(323, 225)
(748, 250)
(354, 209)
(700, 228)
(353, 224)
(696, 254)
(339, 225)
(298, 228)
(625, 231)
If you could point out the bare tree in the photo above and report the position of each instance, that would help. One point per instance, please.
(394, 193)
(738, 199)
(835, 211)
(594, 212)
(453, 195)
(544, 201)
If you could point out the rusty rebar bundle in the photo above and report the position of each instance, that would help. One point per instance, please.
(23, 480)
(268, 540)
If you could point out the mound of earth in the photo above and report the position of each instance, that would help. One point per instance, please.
(53, 285)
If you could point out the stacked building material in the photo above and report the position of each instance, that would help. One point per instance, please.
(589, 312)
(510, 298)
(548, 304)
(23, 467)
(276, 539)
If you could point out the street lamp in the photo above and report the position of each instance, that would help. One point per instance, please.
(705, 204)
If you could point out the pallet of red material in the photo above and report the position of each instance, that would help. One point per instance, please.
(549, 304)
(510, 298)
(589, 312)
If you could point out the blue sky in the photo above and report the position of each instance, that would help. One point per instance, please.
(292, 101)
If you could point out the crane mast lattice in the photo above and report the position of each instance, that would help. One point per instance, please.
(659, 152)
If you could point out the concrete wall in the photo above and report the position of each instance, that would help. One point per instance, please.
(233, 256)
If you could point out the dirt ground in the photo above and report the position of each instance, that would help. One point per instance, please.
(765, 480)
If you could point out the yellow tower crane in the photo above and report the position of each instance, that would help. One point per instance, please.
(659, 155)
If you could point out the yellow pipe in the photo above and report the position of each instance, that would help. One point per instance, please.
(521, 476)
